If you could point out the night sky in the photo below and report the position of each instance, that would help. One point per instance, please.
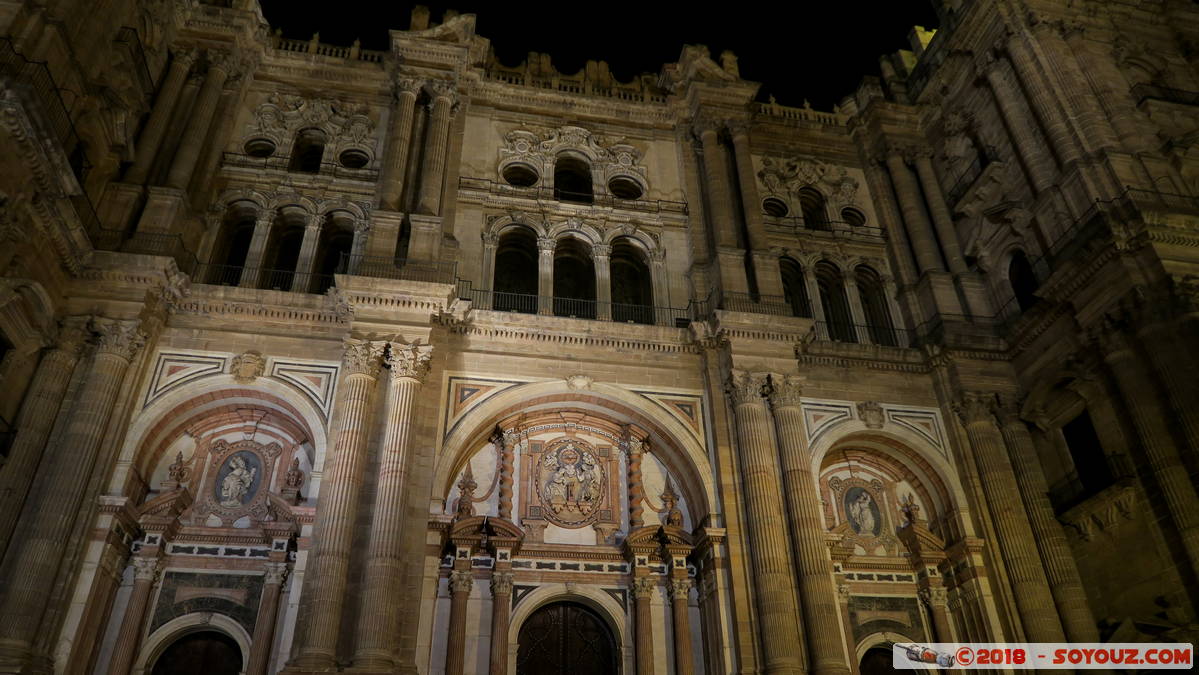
(817, 51)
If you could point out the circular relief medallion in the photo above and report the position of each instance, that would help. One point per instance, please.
(237, 480)
(570, 483)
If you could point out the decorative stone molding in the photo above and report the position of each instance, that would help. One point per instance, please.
(643, 587)
(363, 357)
(579, 382)
(347, 125)
(680, 588)
(146, 569)
(411, 361)
(745, 388)
(119, 338)
(783, 177)
(539, 148)
(275, 573)
(786, 391)
(976, 407)
(935, 596)
(871, 414)
(501, 583)
(1101, 512)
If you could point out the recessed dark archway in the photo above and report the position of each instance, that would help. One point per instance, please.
(574, 279)
(514, 279)
(877, 661)
(566, 638)
(202, 653)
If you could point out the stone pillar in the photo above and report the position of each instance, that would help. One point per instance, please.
(301, 281)
(643, 593)
(853, 296)
(936, 599)
(919, 230)
(110, 570)
(772, 570)
(201, 119)
(1016, 544)
(251, 272)
(1041, 98)
(843, 596)
(680, 589)
(660, 286)
(813, 288)
(545, 275)
(1058, 560)
(337, 508)
(507, 450)
(379, 614)
(145, 574)
(814, 569)
(897, 239)
(36, 419)
(1021, 125)
(600, 257)
(1111, 90)
(264, 626)
(399, 141)
(1174, 360)
(636, 489)
(1150, 421)
(433, 168)
(501, 598)
(455, 651)
(750, 202)
(946, 231)
(1093, 127)
(719, 202)
(150, 140)
(490, 241)
(48, 517)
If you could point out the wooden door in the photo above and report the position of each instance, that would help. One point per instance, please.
(566, 638)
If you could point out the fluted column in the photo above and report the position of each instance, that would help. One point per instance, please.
(1020, 123)
(1058, 560)
(1174, 359)
(1150, 421)
(301, 281)
(338, 506)
(399, 141)
(844, 593)
(110, 571)
(772, 571)
(946, 231)
(501, 598)
(750, 203)
(600, 256)
(897, 239)
(150, 140)
(36, 419)
(1091, 123)
(813, 288)
(920, 232)
(643, 593)
(264, 625)
(719, 202)
(58, 490)
(379, 614)
(1016, 544)
(455, 651)
(1040, 97)
(545, 275)
(680, 616)
(251, 272)
(813, 567)
(201, 119)
(853, 297)
(936, 598)
(145, 574)
(433, 167)
(1111, 91)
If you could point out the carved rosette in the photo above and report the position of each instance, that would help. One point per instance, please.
(118, 338)
(461, 581)
(501, 583)
(409, 361)
(363, 357)
(786, 392)
(745, 388)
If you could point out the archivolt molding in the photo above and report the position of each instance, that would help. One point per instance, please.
(784, 177)
(616, 616)
(590, 232)
(157, 642)
(539, 148)
(347, 125)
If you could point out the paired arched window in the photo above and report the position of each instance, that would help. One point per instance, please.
(877, 310)
(335, 245)
(308, 150)
(515, 282)
(836, 305)
(811, 202)
(574, 279)
(795, 290)
(232, 244)
(283, 252)
(1023, 280)
(572, 180)
(632, 284)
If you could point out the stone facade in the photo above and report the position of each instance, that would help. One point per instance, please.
(366, 360)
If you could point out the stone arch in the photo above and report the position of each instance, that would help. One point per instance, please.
(255, 197)
(577, 229)
(331, 205)
(497, 227)
(603, 604)
(157, 642)
(874, 640)
(673, 443)
(284, 200)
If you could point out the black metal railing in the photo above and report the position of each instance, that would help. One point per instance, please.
(733, 301)
(886, 335)
(577, 308)
(1143, 92)
(381, 267)
(556, 194)
(835, 228)
(985, 156)
(263, 278)
(283, 163)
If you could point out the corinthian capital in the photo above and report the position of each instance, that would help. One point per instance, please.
(461, 581)
(410, 361)
(407, 85)
(119, 338)
(501, 583)
(363, 357)
(976, 407)
(706, 124)
(785, 392)
(441, 89)
(145, 569)
(743, 387)
(185, 56)
(275, 572)
(643, 587)
(679, 588)
(72, 333)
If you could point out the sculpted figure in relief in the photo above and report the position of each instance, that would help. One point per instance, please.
(237, 482)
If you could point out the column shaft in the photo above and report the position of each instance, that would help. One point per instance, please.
(643, 592)
(455, 651)
(301, 281)
(934, 597)
(946, 232)
(897, 238)
(251, 272)
(680, 617)
(264, 626)
(128, 640)
(1041, 98)
(545, 275)
(1021, 127)
(919, 230)
(813, 566)
(603, 281)
(433, 168)
(853, 296)
(718, 190)
(1173, 361)
(197, 127)
(399, 142)
(501, 597)
(752, 206)
(151, 137)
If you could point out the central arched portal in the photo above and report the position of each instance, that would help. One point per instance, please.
(566, 638)
(202, 653)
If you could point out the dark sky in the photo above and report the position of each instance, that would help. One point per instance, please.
(798, 50)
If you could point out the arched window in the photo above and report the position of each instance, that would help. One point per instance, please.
(795, 291)
(515, 279)
(232, 244)
(283, 252)
(632, 285)
(836, 306)
(875, 306)
(853, 217)
(308, 150)
(1023, 280)
(815, 217)
(574, 279)
(336, 242)
(572, 180)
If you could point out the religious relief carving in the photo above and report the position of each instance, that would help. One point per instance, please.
(571, 483)
(247, 367)
(871, 414)
(861, 508)
(237, 482)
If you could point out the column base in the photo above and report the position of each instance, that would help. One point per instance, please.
(120, 203)
(383, 240)
(424, 242)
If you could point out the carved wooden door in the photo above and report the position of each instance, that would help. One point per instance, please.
(566, 638)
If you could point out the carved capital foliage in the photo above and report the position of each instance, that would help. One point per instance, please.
(738, 127)
(409, 361)
(185, 56)
(743, 387)
(407, 85)
(363, 357)
(145, 569)
(707, 124)
(461, 581)
(934, 596)
(601, 250)
(976, 407)
(439, 89)
(546, 244)
(275, 572)
(786, 391)
(501, 583)
(1007, 409)
(643, 587)
(680, 588)
(72, 334)
(119, 338)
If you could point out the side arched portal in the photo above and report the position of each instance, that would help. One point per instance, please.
(566, 638)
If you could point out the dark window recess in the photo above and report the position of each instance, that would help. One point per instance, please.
(773, 206)
(1092, 473)
(519, 175)
(260, 147)
(1023, 280)
(795, 291)
(574, 280)
(624, 188)
(307, 151)
(515, 281)
(572, 181)
(814, 215)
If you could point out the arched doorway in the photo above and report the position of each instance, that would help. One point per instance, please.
(566, 638)
(202, 653)
(876, 661)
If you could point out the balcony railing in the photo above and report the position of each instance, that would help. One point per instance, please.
(19, 74)
(577, 308)
(543, 193)
(1144, 92)
(381, 267)
(834, 228)
(262, 278)
(283, 163)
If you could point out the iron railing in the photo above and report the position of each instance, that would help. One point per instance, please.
(544, 193)
(263, 278)
(878, 334)
(381, 267)
(577, 308)
(835, 228)
(283, 163)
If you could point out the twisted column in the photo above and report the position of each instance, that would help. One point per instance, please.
(395, 163)
(1020, 123)
(947, 233)
(455, 651)
(151, 137)
(36, 419)
(813, 566)
(338, 507)
(719, 202)
(501, 597)
(777, 609)
(1060, 567)
(433, 168)
(379, 615)
(643, 593)
(264, 626)
(145, 574)
(202, 111)
(924, 243)
(507, 446)
(636, 488)
(1016, 544)
(679, 614)
(58, 491)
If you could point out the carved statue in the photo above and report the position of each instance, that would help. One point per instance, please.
(237, 482)
(295, 476)
(861, 514)
(178, 471)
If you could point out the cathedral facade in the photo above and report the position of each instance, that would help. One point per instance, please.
(322, 359)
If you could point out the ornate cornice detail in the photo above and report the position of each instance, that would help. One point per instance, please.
(461, 581)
